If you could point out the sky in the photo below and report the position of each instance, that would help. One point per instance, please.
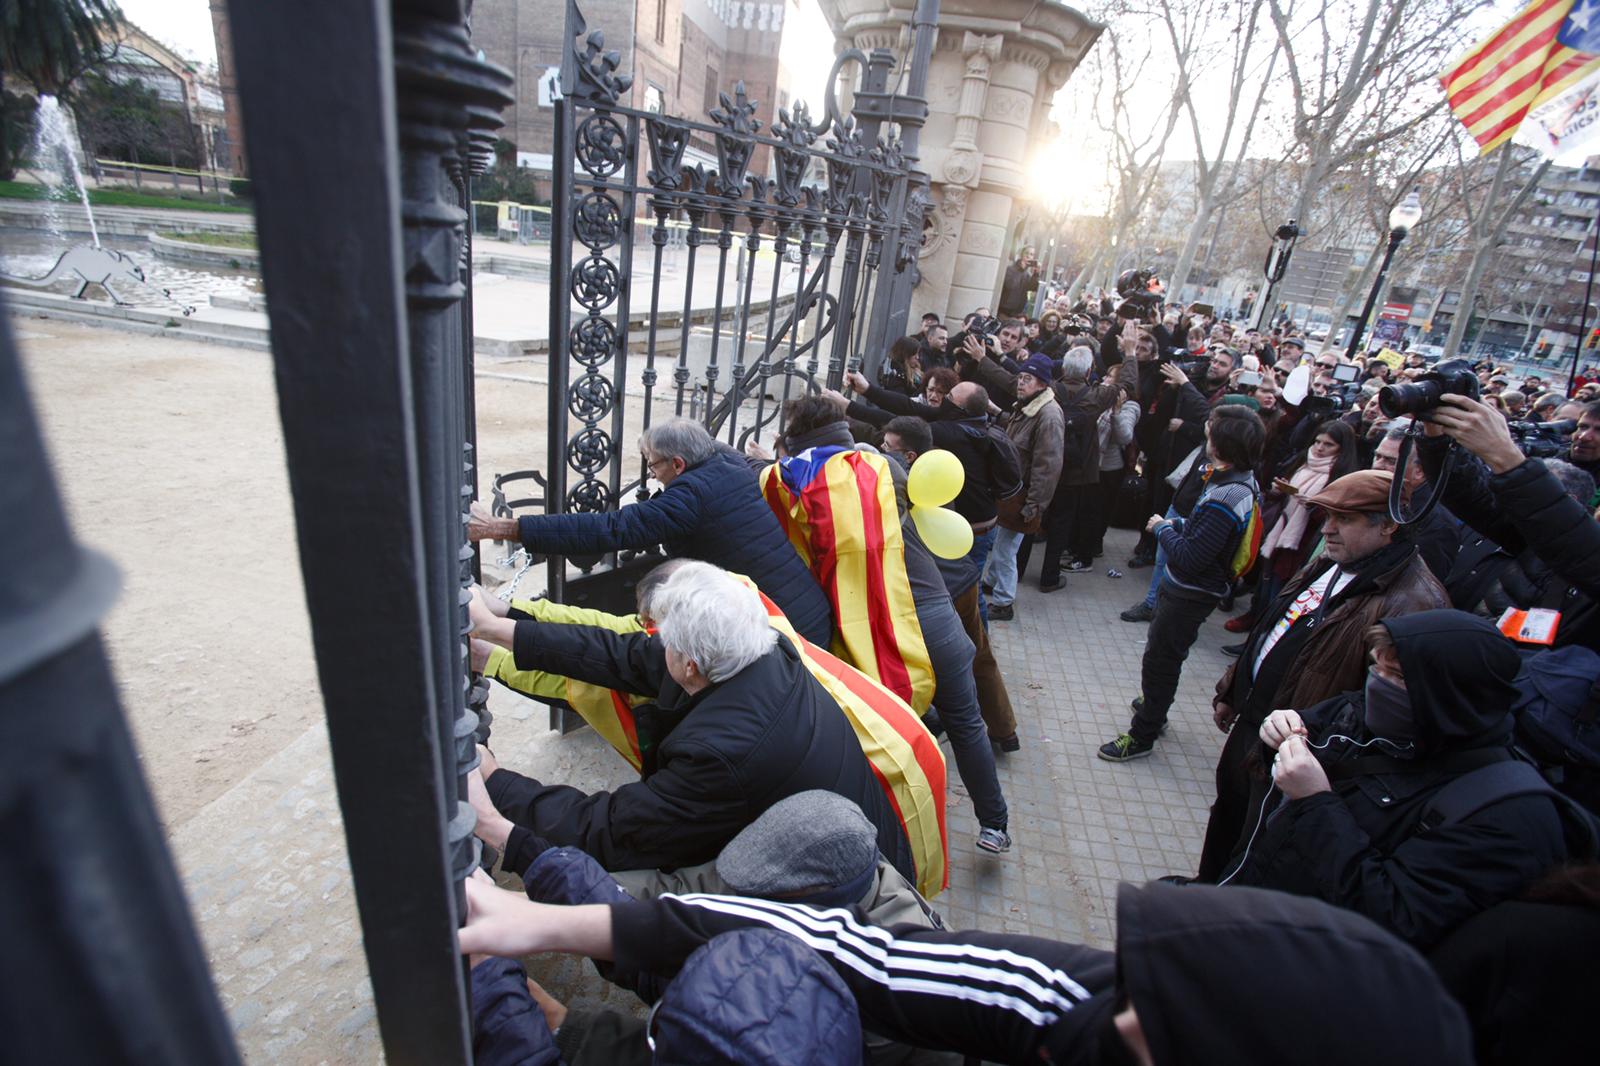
(185, 25)
(182, 25)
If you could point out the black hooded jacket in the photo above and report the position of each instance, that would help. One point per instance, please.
(1215, 975)
(1361, 845)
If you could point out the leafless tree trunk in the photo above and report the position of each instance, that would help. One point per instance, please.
(1194, 34)
(1488, 226)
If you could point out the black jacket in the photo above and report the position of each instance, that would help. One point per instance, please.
(1361, 845)
(1553, 538)
(1525, 973)
(766, 733)
(1020, 283)
(712, 511)
(1160, 404)
(1216, 975)
(987, 458)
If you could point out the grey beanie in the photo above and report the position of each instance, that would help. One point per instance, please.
(809, 841)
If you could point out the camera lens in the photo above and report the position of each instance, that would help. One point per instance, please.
(1398, 400)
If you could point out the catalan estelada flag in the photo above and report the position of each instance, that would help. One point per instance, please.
(837, 506)
(1545, 50)
(904, 756)
(608, 712)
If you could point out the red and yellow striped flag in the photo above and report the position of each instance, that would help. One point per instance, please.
(1545, 49)
(904, 756)
(837, 506)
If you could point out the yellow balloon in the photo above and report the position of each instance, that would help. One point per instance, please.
(945, 533)
(936, 478)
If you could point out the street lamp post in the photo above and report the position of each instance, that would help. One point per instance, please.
(1272, 271)
(1406, 214)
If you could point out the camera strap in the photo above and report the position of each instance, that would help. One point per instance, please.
(1397, 486)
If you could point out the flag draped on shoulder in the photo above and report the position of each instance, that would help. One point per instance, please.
(838, 508)
(1546, 61)
(607, 712)
(905, 758)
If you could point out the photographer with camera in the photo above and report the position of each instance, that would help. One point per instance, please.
(1021, 281)
(1516, 502)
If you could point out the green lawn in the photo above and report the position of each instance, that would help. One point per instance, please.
(19, 190)
(218, 240)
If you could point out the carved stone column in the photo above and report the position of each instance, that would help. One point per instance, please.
(996, 66)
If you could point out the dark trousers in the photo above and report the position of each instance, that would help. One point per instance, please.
(1069, 528)
(1173, 630)
(1102, 502)
(994, 702)
(1231, 809)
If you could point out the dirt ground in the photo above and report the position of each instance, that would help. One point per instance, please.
(170, 457)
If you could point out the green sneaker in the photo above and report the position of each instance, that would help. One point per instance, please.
(1125, 748)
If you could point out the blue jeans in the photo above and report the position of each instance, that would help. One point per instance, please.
(1003, 567)
(982, 543)
(951, 653)
(1160, 571)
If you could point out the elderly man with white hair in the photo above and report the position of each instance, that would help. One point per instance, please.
(755, 727)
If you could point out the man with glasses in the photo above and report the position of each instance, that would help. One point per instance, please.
(1438, 536)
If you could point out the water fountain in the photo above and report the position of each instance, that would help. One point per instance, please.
(58, 153)
(58, 160)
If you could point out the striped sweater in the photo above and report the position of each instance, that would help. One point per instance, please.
(1200, 548)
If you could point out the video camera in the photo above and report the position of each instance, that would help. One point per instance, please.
(1141, 293)
(1543, 440)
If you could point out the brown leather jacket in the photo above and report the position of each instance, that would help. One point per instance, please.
(1334, 658)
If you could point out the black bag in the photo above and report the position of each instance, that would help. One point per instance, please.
(1079, 434)
(1558, 718)
(1131, 509)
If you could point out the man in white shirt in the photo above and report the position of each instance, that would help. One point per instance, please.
(1310, 645)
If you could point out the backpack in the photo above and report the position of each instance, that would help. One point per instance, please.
(1557, 713)
(1249, 549)
(1473, 791)
(1079, 434)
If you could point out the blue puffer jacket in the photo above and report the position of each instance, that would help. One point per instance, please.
(758, 996)
(712, 511)
(508, 1029)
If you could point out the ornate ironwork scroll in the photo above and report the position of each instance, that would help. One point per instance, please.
(765, 245)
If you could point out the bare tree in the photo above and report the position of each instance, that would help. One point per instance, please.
(1203, 36)
(1487, 225)
(1361, 73)
(1137, 144)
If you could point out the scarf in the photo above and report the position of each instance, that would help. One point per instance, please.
(1290, 528)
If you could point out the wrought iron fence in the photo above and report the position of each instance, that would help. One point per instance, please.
(832, 212)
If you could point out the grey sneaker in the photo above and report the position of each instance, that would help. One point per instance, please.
(995, 840)
(1139, 612)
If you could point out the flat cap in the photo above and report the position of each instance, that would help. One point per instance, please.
(1357, 493)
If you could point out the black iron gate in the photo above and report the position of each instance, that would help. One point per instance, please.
(710, 291)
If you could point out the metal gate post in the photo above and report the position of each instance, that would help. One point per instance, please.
(909, 110)
(363, 272)
(100, 961)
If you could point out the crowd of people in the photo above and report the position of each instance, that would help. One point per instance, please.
(1400, 863)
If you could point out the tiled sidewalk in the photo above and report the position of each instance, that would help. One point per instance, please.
(1081, 824)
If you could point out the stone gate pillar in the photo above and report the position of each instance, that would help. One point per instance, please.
(996, 67)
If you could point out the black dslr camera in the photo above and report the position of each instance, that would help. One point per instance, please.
(1141, 293)
(1543, 440)
(1452, 377)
